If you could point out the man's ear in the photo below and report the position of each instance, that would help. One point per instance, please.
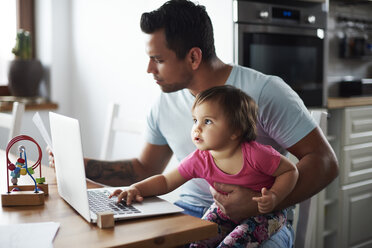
(195, 56)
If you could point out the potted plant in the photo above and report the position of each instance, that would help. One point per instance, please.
(25, 73)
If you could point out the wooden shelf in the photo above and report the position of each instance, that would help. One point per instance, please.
(31, 103)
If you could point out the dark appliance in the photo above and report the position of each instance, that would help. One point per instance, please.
(285, 39)
(350, 86)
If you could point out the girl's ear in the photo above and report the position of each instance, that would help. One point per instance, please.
(235, 135)
(195, 57)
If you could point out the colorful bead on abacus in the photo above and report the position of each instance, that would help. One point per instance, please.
(11, 167)
(30, 170)
(23, 171)
(14, 175)
(14, 181)
(16, 189)
(20, 162)
(40, 180)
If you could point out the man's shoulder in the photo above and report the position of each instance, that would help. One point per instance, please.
(249, 72)
(247, 78)
(251, 81)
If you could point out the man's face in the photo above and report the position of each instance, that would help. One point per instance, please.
(171, 74)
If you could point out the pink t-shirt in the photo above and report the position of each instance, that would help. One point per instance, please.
(260, 162)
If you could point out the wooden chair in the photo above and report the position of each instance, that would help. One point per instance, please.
(115, 124)
(13, 120)
(308, 212)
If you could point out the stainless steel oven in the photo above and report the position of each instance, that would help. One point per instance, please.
(286, 40)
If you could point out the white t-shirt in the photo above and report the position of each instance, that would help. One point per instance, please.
(283, 120)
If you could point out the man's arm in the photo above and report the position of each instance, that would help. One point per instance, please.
(153, 160)
(317, 167)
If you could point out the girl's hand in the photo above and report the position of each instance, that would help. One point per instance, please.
(237, 202)
(130, 194)
(266, 202)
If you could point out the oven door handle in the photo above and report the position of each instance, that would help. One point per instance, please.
(269, 29)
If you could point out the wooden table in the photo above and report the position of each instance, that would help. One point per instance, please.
(162, 231)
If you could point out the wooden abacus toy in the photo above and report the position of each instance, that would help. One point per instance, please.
(23, 195)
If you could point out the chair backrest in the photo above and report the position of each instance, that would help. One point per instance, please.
(306, 226)
(115, 124)
(13, 121)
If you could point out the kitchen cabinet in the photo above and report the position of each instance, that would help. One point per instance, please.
(347, 218)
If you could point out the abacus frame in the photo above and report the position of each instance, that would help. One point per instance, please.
(26, 196)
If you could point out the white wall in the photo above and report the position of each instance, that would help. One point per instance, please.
(96, 54)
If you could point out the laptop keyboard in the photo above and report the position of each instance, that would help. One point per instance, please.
(99, 202)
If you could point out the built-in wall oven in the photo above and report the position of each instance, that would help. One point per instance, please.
(286, 40)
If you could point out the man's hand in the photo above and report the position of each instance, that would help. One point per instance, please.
(237, 203)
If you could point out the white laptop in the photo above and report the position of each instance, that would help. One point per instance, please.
(71, 180)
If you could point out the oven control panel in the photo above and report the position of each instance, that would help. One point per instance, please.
(310, 15)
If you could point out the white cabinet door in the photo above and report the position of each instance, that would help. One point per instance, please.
(356, 216)
(358, 125)
(357, 163)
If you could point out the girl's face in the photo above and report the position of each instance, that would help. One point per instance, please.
(211, 130)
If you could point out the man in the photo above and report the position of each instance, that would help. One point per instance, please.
(183, 62)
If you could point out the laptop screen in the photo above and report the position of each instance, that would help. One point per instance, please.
(69, 162)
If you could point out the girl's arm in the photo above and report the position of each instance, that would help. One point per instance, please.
(155, 185)
(160, 184)
(286, 178)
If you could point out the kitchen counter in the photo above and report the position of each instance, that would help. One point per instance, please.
(342, 102)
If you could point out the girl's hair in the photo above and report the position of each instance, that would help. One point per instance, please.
(240, 109)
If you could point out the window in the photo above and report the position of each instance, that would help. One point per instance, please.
(8, 34)
(14, 14)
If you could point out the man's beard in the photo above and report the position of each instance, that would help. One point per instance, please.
(176, 86)
(169, 88)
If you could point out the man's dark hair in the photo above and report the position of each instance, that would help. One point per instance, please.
(239, 109)
(186, 25)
